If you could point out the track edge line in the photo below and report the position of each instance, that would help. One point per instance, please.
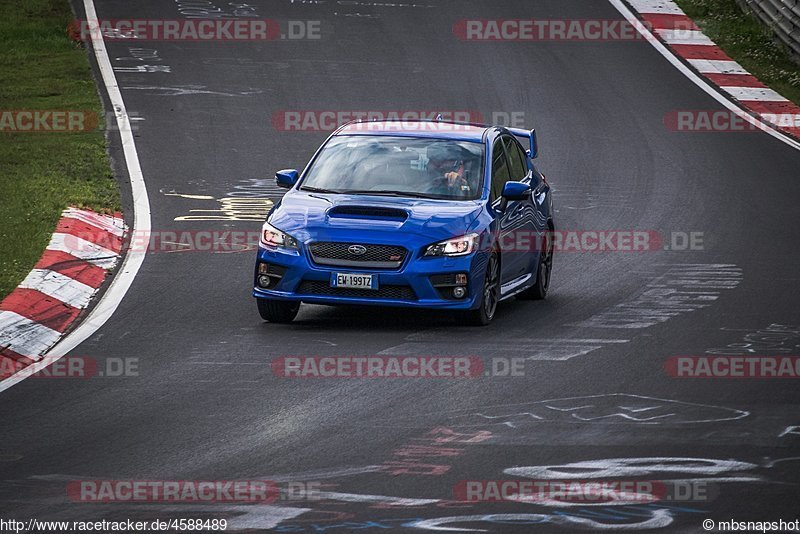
(133, 259)
(714, 91)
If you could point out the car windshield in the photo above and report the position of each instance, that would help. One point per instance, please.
(398, 166)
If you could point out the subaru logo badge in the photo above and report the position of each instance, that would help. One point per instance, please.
(357, 250)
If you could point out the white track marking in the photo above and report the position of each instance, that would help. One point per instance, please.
(430, 342)
(700, 82)
(141, 216)
(383, 499)
(685, 37)
(659, 518)
(258, 517)
(656, 6)
(442, 335)
(59, 286)
(568, 340)
(85, 250)
(754, 93)
(111, 225)
(248, 516)
(629, 467)
(540, 352)
(24, 337)
(717, 66)
(322, 474)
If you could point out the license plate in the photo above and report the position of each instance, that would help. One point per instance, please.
(354, 281)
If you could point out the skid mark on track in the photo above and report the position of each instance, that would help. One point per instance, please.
(576, 197)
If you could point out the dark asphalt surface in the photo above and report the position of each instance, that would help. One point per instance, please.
(206, 406)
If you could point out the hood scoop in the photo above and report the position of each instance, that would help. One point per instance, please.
(368, 212)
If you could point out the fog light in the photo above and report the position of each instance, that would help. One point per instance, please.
(459, 292)
(264, 281)
(461, 279)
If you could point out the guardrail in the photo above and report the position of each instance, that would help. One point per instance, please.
(782, 17)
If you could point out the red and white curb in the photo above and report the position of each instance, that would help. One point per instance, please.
(34, 317)
(679, 32)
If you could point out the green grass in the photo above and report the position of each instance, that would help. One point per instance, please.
(743, 37)
(42, 173)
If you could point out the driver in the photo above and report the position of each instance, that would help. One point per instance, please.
(446, 169)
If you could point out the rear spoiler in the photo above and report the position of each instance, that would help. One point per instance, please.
(533, 153)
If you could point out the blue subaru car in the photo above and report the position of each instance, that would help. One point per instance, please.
(427, 214)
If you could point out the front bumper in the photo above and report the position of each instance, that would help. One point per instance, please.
(409, 286)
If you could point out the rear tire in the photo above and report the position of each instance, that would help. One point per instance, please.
(490, 296)
(543, 270)
(277, 311)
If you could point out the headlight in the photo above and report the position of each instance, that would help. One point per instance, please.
(458, 246)
(272, 237)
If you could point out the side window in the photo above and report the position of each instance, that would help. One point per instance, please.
(516, 159)
(499, 171)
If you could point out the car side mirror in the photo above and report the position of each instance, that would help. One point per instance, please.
(286, 178)
(516, 191)
(513, 191)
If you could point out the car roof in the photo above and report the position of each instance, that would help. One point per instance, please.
(461, 131)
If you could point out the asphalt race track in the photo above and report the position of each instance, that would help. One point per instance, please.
(387, 454)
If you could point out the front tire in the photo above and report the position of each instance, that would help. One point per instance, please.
(489, 298)
(277, 311)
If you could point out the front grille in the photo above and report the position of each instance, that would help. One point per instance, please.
(312, 287)
(375, 256)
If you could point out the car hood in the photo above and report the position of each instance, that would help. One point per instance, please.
(313, 217)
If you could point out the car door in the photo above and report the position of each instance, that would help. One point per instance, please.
(512, 261)
(529, 215)
(516, 222)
